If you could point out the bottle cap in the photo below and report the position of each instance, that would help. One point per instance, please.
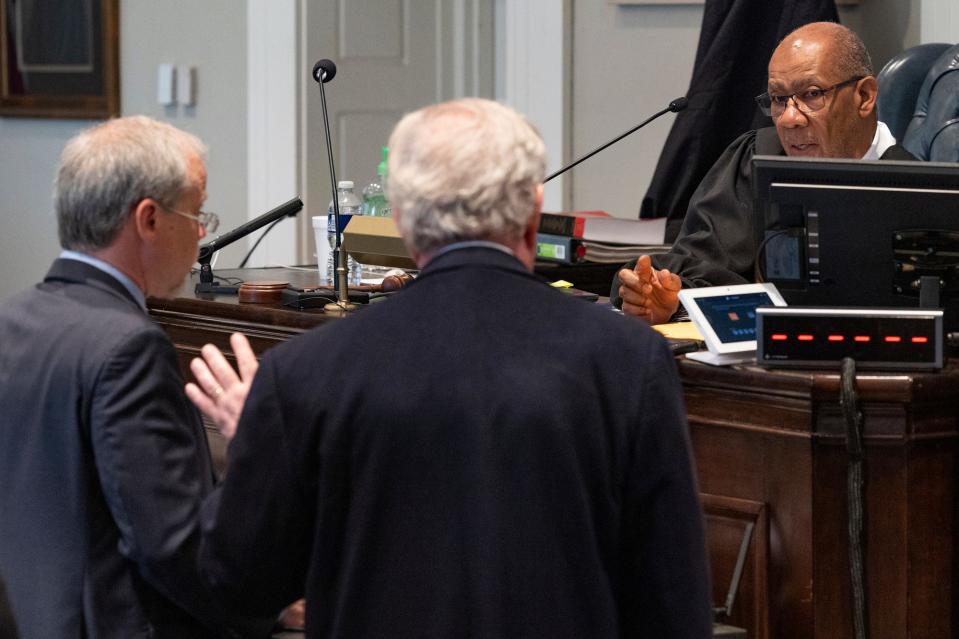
(344, 184)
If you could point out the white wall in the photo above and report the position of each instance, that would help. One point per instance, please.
(939, 21)
(210, 35)
(628, 63)
(531, 57)
(29, 149)
(886, 26)
(273, 69)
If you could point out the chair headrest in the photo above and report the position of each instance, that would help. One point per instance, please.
(899, 83)
(937, 111)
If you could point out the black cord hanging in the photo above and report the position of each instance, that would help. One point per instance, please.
(257, 243)
(849, 402)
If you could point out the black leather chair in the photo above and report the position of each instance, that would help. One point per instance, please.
(933, 132)
(899, 84)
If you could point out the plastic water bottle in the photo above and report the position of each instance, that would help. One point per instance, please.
(350, 205)
(374, 195)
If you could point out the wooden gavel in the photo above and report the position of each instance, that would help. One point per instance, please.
(389, 284)
(392, 283)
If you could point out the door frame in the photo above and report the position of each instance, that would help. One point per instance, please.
(531, 35)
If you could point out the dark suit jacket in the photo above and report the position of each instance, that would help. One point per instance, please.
(8, 625)
(103, 466)
(722, 231)
(479, 456)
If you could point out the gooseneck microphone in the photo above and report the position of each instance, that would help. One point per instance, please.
(207, 284)
(675, 106)
(324, 71)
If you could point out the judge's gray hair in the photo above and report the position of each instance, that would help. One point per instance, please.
(464, 170)
(852, 57)
(107, 169)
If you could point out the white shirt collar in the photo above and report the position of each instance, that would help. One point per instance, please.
(881, 141)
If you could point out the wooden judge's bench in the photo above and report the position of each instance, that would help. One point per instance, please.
(771, 457)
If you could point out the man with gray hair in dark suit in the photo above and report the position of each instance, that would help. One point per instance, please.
(464, 459)
(104, 464)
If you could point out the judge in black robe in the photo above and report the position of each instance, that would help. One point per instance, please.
(735, 42)
(823, 104)
(721, 234)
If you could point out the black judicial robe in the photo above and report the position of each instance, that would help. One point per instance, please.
(721, 233)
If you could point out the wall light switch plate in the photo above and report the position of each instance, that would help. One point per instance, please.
(186, 85)
(166, 84)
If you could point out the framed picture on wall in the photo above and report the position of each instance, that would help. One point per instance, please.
(59, 58)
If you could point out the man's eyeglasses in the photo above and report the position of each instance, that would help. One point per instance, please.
(806, 101)
(209, 221)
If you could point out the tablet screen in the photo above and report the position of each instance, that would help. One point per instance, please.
(733, 317)
(726, 315)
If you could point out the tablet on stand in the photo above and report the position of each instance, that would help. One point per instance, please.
(726, 318)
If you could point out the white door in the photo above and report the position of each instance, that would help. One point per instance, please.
(392, 57)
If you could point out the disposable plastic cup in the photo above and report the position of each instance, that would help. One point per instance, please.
(322, 247)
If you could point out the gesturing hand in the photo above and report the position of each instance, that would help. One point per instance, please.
(649, 294)
(219, 392)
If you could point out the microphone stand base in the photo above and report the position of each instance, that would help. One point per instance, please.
(341, 308)
(216, 288)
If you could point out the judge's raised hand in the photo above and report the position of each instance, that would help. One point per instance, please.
(293, 616)
(219, 392)
(647, 293)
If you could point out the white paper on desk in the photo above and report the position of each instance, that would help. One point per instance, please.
(620, 230)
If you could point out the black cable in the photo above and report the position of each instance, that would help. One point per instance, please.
(760, 276)
(849, 402)
(228, 280)
(257, 243)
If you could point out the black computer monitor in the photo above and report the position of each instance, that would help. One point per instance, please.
(859, 233)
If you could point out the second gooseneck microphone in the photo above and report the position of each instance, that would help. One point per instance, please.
(323, 72)
(675, 106)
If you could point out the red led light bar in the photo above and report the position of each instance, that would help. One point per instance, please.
(878, 338)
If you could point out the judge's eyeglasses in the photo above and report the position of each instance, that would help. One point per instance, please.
(806, 101)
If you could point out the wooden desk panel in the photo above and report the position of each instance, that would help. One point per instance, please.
(777, 438)
(769, 450)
